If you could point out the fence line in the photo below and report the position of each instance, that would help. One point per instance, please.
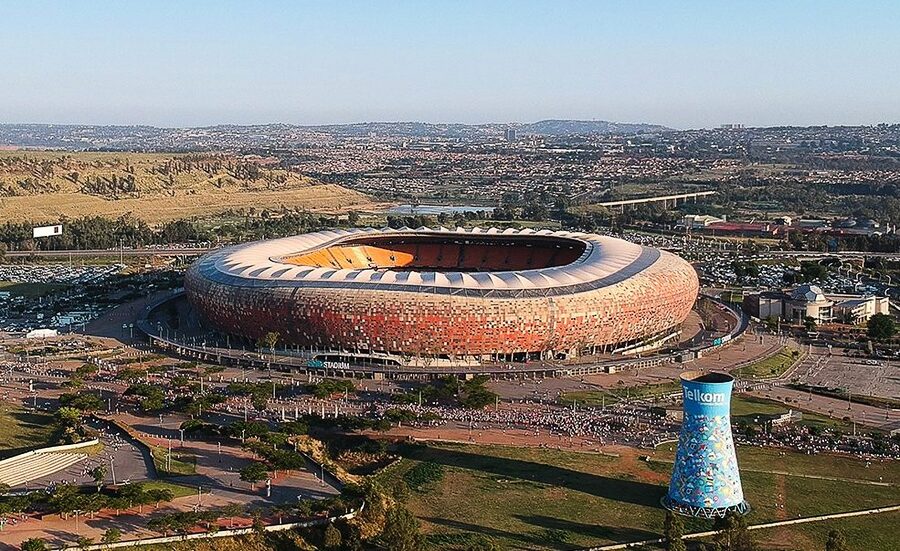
(763, 526)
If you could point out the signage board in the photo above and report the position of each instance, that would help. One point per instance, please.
(46, 231)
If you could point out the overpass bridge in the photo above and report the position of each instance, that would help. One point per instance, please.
(666, 200)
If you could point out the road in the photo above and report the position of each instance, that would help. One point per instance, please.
(165, 251)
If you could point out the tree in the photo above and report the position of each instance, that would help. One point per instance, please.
(254, 472)
(733, 534)
(65, 499)
(34, 544)
(836, 542)
(84, 401)
(269, 340)
(84, 542)
(232, 510)
(258, 526)
(401, 531)
(135, 494)
(112, 535)
(98, 473)
(159, 495)
(881, 326)
(332, 537)
(674, 531)
(67, 418)
(809, 324)
(280, 510)
(810, 271)
(90, 504)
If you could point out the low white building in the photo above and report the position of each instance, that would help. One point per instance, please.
(41, 333)
(699, 221)
(809, 301)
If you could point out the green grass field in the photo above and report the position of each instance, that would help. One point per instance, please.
(177, 489)
(21, 430)
(753, 409)
(770, 367)
(877, 532)
(732, 296)
(770, 460)
(181, 463)
(528, 498)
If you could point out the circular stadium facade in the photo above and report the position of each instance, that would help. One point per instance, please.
(446, 293)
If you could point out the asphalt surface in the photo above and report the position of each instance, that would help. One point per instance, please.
(861, 376)
(119, 456)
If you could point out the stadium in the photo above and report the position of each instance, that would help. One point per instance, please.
(460, 294)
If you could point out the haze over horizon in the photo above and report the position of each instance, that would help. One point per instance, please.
(692, 65)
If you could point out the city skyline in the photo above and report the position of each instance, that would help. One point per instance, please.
(694, 65)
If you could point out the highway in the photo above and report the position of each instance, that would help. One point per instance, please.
(162, 251)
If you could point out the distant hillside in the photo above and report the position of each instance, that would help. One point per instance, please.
(46, 185)
(234, 137)
(574, 127)
(561, 127)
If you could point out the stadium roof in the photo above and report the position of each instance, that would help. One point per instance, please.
(605, 261)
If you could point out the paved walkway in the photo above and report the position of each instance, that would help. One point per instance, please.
(763, 526)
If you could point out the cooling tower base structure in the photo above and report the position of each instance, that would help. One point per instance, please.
(705, 480)
(704, 512)
(505, 295)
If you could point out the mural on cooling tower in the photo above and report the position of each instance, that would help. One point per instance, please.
(705, 474)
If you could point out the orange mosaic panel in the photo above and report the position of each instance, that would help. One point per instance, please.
(648, 303)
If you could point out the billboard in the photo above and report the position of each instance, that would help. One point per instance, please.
(47, 231)
(705, 478)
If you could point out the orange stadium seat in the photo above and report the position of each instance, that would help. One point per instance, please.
(437, 255)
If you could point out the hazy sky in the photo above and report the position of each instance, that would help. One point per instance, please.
(680, 63)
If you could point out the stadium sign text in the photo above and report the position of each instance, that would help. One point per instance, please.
(704, 397)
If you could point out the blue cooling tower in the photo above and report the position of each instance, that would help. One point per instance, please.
(705, 479)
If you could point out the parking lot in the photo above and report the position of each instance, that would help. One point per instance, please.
(67, 297)
(862, 376)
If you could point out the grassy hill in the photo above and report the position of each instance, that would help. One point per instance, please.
(44, 186)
